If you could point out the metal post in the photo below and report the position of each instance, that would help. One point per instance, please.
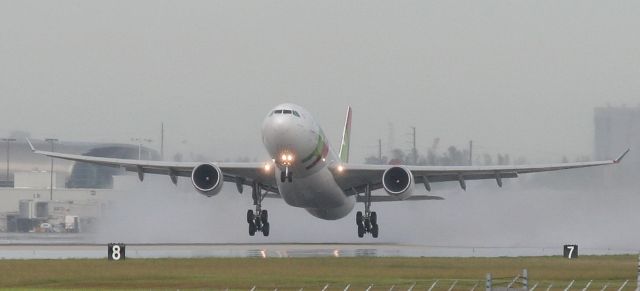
(470, 153)
(140, 141)
(488, 285)
(51, 141)
(453, 285)
(638, 283)
(525, 279)
(162, 141)
(433, 285)
(534, 286)
(415, 149)
(623, 285)
(8, 140)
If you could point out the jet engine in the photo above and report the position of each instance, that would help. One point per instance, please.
(398, 182)
(207, 179)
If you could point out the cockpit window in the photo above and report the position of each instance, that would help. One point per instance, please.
(285, 111)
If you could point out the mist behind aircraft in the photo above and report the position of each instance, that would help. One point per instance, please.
(519, 78)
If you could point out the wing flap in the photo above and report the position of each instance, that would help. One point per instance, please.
(390, 198)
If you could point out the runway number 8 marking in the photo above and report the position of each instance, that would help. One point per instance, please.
(116, 252)
(570, 251)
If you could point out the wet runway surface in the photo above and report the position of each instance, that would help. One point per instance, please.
(68, 246)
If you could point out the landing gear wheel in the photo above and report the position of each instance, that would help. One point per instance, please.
(250, 216)
(368, 221)
(374, 231)
(258, 223)
(282, 177)
(290, 177)
(259, 219)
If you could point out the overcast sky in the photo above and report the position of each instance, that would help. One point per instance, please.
(520, 77)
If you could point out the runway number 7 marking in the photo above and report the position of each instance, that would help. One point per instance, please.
(570, 251)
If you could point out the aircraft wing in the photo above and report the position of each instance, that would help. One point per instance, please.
(352, 178)
(239, 173)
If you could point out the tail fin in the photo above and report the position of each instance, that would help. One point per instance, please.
(346, 137)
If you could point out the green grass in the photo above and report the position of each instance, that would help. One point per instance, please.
(311, 273)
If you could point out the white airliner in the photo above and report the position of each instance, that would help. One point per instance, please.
(307, 173)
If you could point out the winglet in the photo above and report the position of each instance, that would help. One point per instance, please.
(33, 149)
(619, 159)
(346, 137)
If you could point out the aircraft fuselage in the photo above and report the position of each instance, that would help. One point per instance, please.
(297, 144)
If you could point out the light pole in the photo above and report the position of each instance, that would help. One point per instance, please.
(139, 141)
(8, 140)
(51, 141)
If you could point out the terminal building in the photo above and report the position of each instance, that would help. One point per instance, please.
(68, 199)
(20, 162)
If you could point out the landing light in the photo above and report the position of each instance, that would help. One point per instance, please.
(340, 168)
(290, 157)
(284, 157)
(267, 167)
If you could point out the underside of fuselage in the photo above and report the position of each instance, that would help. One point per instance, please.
(319, 194)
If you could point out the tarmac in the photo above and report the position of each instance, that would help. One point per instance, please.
(74, 246)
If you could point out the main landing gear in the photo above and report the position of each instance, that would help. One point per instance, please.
(367, 223)
(258, 220)
(286, 175)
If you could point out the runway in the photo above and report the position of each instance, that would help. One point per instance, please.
(284, 250)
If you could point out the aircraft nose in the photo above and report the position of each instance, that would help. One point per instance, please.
(277, 130)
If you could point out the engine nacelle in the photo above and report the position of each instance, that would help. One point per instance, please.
(398, 181)
(207, 179)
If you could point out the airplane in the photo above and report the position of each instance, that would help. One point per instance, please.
(306, 172)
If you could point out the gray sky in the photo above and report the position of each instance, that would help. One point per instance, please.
(520, 77)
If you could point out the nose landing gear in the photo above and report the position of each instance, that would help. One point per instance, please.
(367, 223)
(259, 220)
(286, 175)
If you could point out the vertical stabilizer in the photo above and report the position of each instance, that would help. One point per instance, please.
(346, 137)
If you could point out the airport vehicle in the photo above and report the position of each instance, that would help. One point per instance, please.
(307, 173)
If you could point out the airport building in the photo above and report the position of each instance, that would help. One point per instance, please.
(70, 198)
(616, 129)
(19, 163)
